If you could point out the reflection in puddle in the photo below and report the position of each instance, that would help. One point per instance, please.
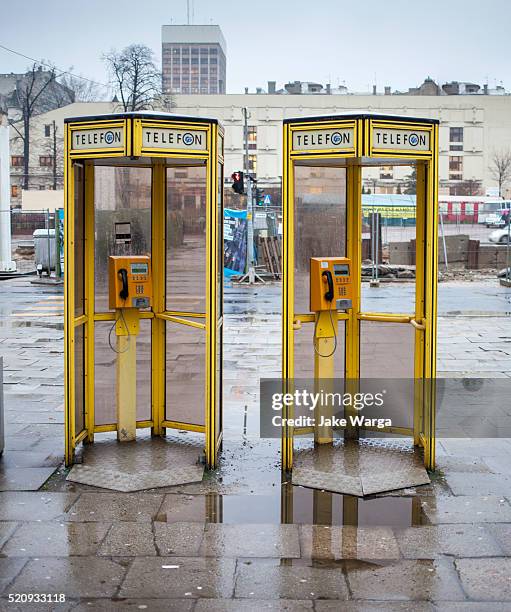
(13, 324)
(296, 505)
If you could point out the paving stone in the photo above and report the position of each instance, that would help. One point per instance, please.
(500, 464)
(467, 509)
(192, 578)
(111, 507)
(55, 539)
(480, 484)
(9, 569)
(180, 539)
(29, 506)
(486, 579)
(6, 530)
(151, 605)
(434, 542)
(7, 606)
(502, 533)
(75, 576)
(28, 459)
(185, 508)
(408, 580)
(262, 579)
(222, 540)
(129, 539)
(326, 542)
(469, 606)
(373, 606)
(242, 605)
(24, 479)
(472, 465)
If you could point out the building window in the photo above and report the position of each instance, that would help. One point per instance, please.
(47, 130)
(17, 161)
(386, 172)
(46, 161)
(252, 137)
(456, 147)
(456, 134)
(455, 163)
(15, 191)
(252, 163)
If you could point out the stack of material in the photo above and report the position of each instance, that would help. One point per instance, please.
(269, 255)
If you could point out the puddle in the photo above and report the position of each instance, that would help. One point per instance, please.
(12, 324)
(296, 505)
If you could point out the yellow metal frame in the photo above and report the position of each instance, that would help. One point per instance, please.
(424, 318)
(208, 321)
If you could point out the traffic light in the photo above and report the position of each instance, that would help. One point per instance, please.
(237, 182)
(259, 196)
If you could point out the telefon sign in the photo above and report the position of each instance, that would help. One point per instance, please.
(315, 140)
(104, 138)
(404, 140)
(171, 138)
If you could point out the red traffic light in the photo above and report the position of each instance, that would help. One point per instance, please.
(237, 184)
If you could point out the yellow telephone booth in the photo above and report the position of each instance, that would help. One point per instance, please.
(143, 280)
(337, 327)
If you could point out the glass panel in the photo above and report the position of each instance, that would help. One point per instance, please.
(320, 222)
(220, 300)
(79, 228)
(185, 373)
(186, 239)
(79, 379)
(144, 371)
(105, 371)
(105, 376)
(387, 352)
(122, 197)
(220, 245)
(304, 351)
(219, 382)
(388, 239)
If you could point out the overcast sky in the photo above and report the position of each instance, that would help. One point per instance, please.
(392, 42)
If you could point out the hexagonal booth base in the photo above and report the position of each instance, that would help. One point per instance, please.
(136, 466)
(360, 468)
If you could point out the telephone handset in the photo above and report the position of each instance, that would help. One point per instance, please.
(124, 292)
(327, 279)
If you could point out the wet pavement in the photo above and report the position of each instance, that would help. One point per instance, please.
(240, 540)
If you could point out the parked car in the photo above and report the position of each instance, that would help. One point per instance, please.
(500, 236)
(496, 219)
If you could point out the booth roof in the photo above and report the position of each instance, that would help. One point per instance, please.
(145, 114)
(360, 115)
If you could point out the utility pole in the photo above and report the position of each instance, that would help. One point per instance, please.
(251, 277)
(6, 263)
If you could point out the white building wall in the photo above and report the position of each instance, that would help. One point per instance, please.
(486, 122)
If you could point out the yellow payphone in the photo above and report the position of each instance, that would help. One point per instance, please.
(330, 279)
(330, 291)
(129, 289)
(130, 282)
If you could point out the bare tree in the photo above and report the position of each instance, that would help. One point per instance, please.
(500, 168)
(134, 77)
(34, 94)
(84, 89)
(468, 187)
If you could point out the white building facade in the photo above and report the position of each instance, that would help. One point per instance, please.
(472, 129)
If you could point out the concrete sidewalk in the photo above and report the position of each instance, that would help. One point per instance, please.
(240, 540)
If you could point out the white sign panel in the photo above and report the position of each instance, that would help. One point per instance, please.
(315, 140)
(404, 140)
(170, 138)
(105, 138)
